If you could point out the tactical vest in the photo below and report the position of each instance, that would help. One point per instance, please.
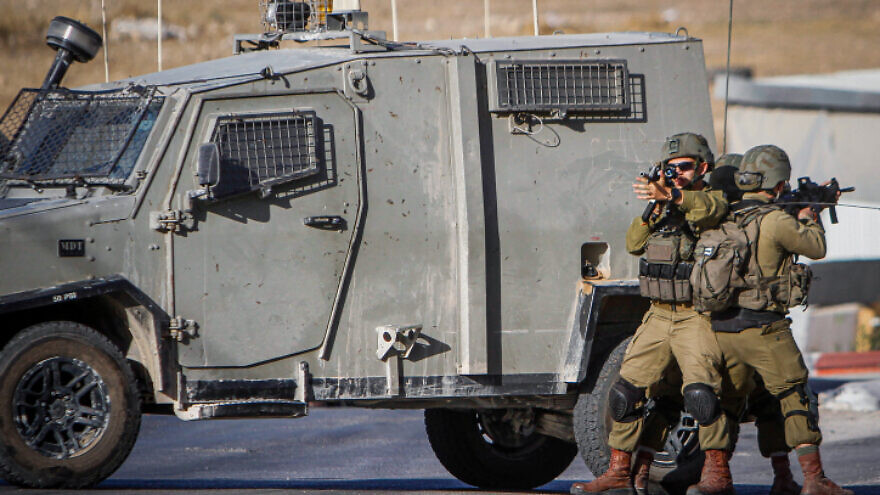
(664, 270)
(726, 271)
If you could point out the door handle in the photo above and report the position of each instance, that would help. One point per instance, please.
(325, 222)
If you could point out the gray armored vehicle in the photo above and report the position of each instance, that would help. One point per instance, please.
(435, 225)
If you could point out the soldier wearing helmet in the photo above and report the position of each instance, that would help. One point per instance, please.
(743, 395)
(671, 330)
(754, 334)
(722, 177)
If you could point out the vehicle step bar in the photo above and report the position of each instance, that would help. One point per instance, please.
(244, 409)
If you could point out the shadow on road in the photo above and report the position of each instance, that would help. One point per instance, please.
(293, 484)
(744, 489)
(381, 485)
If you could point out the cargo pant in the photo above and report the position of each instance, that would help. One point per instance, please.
(772, 352)
(741, 387)
(670, 333)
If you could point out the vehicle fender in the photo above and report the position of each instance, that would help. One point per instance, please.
(147, 321)
(606, 312)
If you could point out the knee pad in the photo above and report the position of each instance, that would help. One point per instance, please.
(701, 402)
(809, 404)
(625, 401)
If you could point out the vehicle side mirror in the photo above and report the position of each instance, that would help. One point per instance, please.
(208, 167)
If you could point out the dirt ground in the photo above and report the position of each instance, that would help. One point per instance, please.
(771, 38)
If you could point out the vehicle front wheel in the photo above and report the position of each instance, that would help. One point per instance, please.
(496, 448)
(69, 407)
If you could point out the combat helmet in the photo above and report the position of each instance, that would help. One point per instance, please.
(762, 168)
(723, 176)
(690, 145)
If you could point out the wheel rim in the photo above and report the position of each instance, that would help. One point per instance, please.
(682, 442)
(61, 407)
(510, 431)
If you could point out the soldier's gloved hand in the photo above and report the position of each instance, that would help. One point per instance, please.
(648, 190)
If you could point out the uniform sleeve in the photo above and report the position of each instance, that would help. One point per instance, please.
(806, 239)
(637, 236)
(703, 209)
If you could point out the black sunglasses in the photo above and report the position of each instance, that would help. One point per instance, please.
(684, 166)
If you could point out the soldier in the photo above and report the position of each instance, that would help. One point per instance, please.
(721, 178)
(743, 395)
(670, 328)
(754, 332)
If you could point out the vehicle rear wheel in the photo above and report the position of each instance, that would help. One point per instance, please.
(496, 448)
(678, 464)
(69, 407)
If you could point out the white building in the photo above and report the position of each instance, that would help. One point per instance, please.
(830, 127)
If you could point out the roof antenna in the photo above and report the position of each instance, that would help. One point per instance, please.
(535, 15)
(159, 33)
(394, 19)
(486, 32)
(106, 43)
(727, 77)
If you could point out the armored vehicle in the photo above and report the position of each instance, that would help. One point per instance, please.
(435, 225)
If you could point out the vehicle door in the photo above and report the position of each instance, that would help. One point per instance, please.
(260, 271)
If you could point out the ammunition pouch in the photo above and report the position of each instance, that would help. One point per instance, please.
(665, 282)
(791, 288)
(663, 276)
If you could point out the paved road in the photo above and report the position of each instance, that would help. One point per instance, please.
(346, 450)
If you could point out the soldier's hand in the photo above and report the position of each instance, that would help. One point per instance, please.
(808, 214)
(648, 190)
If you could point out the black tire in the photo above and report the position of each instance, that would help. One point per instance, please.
(69, 407)
(680, 464)
(463, 442)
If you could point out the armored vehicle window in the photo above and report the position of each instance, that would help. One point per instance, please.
(128, 159)
(257, 151)
(63, 135)
(561, 86)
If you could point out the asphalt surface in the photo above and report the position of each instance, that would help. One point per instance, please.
(348, 450)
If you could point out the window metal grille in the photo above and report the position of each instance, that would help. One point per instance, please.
(266, 149)
(61, 134)
(561, 85)
(637, 111)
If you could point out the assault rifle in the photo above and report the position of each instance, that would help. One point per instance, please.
(656, 173)
(813, 195)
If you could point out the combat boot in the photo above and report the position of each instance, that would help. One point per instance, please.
(641, 471)
(715, 478)
(783, 480)
(617, 480)
(815, 482)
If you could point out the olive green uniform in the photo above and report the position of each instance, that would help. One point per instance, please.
(673, 332)
(740, 387)
(770, 349)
